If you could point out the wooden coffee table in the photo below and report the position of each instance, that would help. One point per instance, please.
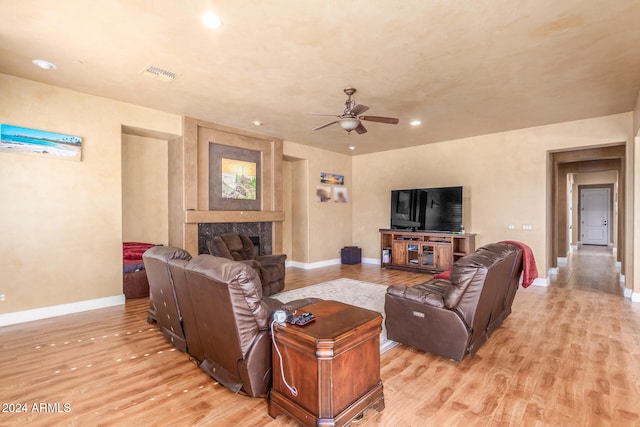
(333, 363)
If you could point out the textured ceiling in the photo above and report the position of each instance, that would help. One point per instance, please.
(462, 67)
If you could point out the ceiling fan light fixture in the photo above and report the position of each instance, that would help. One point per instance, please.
(349, 123)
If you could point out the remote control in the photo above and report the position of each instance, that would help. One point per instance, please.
(303, 319)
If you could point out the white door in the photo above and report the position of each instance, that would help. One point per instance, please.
(594, 216)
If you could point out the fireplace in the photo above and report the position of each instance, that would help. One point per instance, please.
(260, 234)
(193, 220)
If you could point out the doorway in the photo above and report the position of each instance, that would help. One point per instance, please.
(562, 165)
(594, 216)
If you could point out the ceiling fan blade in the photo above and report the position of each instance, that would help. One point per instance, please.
(388, 120)
(325, 125)
(359, 109)
(361, 129)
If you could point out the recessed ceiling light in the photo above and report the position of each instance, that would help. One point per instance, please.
(257, 122)
(45, 65)
(210, 20)
(415, 123)
(352, 147)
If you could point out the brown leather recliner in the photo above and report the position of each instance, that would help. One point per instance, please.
(238, 247)
(231, 321)
(455, 317)
(163, 305)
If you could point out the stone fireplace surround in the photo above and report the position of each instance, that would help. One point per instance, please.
(192, 221)
(261, 230)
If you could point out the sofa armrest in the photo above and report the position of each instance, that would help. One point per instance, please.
(430, 293)
(272, 259)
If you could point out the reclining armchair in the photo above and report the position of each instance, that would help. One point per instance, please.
(238, 247)
(454, 317)
(231, 336)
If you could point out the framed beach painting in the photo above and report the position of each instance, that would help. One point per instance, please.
(20, 140)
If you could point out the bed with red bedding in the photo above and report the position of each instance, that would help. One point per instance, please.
(134, 283)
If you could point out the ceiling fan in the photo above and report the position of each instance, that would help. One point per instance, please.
(351, 119)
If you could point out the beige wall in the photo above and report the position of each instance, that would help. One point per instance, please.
(298, 218)
(328, 226)
(145, 216)
(287, 204)
(504, 177)
(61, 221)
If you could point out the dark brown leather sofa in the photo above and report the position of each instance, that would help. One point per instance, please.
(455, 317)
(238, 247)
(214, 309)
(163, 305)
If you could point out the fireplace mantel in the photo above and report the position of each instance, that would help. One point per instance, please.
(198, 217)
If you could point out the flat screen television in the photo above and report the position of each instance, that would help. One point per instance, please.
(427, 209)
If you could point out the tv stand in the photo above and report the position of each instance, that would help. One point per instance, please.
(423, 250)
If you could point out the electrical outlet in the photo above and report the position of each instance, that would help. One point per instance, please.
(3, 297)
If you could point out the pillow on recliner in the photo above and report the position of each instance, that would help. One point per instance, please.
(218, 248)
(461, 276)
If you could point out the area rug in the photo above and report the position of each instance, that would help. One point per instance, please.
(348, 291)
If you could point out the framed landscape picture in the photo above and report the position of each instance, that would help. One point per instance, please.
(238, 179)
(331, 178)
(234, 178)
(19, 140)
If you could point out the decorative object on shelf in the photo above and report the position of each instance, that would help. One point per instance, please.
(19, 140)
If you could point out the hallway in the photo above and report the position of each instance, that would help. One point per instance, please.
(589, 268)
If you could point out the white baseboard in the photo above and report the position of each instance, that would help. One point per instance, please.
(326, 263)
(59, 310)
(312, 265)
(633, 296)
(541, 281)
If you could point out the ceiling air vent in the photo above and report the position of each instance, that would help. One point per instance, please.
(159, 73)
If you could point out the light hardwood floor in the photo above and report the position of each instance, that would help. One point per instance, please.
(569, 355)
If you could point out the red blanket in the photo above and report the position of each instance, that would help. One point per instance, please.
(529, 269)
(133, 251)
